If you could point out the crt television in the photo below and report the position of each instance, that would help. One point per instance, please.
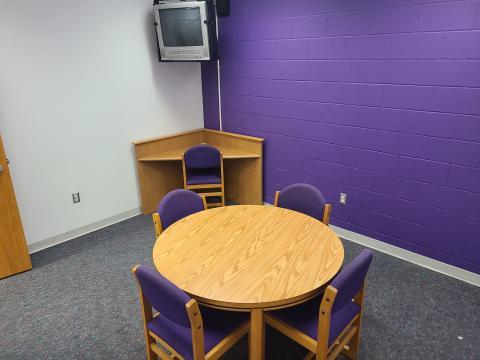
(186, 30)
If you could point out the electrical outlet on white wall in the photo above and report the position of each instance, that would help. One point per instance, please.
(343, 198)
(76, 197)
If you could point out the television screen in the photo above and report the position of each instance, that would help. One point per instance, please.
(185, 30)
(181, 27)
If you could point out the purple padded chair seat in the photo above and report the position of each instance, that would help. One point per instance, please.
(304, 317)
(203, 177)
(216, 325)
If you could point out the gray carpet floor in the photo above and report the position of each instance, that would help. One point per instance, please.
(80, 302)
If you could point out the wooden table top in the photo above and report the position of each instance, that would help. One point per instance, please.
(249, 256)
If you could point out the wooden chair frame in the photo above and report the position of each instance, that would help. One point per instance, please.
(348, 340)
(166, 352)
(326, 210)
(196, 187)
(157, 223)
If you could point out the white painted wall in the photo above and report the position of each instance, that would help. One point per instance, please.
(79, 81)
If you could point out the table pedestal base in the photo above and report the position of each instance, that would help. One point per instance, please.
(257, 335)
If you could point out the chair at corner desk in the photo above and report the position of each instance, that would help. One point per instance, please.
(203, 170)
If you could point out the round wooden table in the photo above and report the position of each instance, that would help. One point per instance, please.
(249, 258)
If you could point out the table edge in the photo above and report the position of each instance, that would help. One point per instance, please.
(268, 306)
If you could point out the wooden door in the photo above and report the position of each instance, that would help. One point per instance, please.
(14, 257)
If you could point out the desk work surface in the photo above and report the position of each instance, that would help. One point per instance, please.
(176, 154)
(249, 256)
(160, 170)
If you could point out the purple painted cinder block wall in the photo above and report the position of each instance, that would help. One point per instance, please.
(379, 99)
(210, 95)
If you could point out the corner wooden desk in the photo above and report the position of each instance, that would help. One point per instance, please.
(159, 165)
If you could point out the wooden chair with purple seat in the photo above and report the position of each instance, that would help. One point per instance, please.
(306, 199)
(183, 329)
(203, 170)
(331, 325)
(176, 205)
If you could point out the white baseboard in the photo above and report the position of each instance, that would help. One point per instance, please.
(406, 255)
(410, 256)
(69, 235)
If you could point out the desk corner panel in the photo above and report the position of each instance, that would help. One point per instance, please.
(243, 181)
(156, 179)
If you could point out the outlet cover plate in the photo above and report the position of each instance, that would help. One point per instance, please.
(76, 198)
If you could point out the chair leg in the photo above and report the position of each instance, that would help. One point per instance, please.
(354, 343)
(353, 346)
(149, 340)
(310, 356)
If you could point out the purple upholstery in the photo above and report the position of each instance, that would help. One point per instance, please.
(202, 165)
(172, 324)
(209, 176)
(202, 157)
(351, 278)
(178, 204)
(216, 326)
(303, 198)
(305, 317)
(163, 295)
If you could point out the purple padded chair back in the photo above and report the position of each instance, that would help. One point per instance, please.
(177, 204)
(351, 278)
(163, 295)
(303, 198)
(202, 157)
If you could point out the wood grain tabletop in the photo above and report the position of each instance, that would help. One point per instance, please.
(249, 256)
